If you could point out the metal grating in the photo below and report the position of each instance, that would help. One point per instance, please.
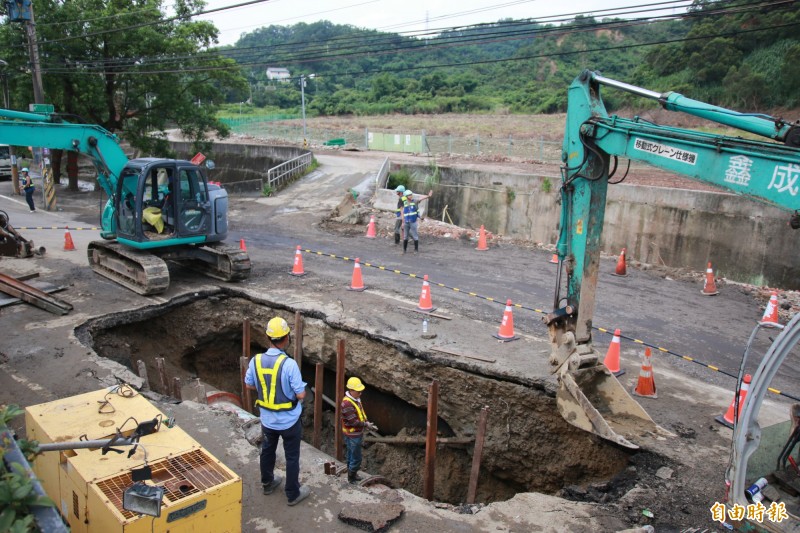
(181, 476)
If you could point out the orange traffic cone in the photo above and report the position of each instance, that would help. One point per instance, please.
(770, 318)
(371, 227)
(357, 284)
(242, 245)
(646, 387)
(297, 269)
(621, 269)
(554, 259)
(728, 418)
(68, 244)
(425, 303)
(612, 356)
(709, 287)
(506, 332)
(482, 240)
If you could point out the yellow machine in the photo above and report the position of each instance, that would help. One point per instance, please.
(89, 486)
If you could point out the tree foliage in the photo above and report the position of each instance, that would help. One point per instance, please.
(732, 53)
(128, 66)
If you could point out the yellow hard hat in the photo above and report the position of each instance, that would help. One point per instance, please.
(277, 328)
(355, 384)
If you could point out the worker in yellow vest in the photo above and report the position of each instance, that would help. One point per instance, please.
(276, 377)
(354, 423)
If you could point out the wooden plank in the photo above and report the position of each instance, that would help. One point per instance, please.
(420, 311)
(338, 441)
(428, 476)
(318, 388)
(452, 352)
(298, 338)
(244, 362)
(477, 452)
(419, 440)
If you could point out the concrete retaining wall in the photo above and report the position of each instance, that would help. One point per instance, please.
(241, 162)
(744, 240)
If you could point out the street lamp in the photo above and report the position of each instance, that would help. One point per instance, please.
(303, 98)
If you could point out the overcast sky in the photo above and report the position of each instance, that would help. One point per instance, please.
(400, 16)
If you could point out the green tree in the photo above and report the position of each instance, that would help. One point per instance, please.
(127, 66)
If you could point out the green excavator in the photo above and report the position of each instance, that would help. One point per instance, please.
(158, 210)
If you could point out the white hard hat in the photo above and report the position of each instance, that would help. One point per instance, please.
(24, 169)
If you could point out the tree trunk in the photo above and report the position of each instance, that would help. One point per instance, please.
(55, 164)
(72, 170)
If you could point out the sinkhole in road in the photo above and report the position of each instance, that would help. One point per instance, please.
(528, 446)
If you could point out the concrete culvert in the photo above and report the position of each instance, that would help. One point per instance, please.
(528, 446)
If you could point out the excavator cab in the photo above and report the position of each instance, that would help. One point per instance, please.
(163, 203)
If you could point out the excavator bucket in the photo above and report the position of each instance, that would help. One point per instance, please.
(593, 399)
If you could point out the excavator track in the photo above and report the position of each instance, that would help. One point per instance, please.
(218, 261)
(142, 272)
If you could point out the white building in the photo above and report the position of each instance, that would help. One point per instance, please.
(278, 74)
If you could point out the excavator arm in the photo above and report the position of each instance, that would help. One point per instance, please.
(102, 147)
(590, 397)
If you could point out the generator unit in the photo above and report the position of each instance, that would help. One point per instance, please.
(183, 487)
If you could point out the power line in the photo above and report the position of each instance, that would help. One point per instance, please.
(490, 61)
(468, 40)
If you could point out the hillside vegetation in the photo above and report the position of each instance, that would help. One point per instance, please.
(740, 54)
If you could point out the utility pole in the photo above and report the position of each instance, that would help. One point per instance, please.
(33, 51)
(7, 104)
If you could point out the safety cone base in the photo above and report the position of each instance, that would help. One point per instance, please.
(704, 293)
(618, 373)
(721, 420)
(431, 310)
(654, 395)
(359, 289)
(619, 275)
(505, 339)
(298, 275)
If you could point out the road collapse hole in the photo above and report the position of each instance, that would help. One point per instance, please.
(528, 446)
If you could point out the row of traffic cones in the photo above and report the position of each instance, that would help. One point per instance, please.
(646, 386)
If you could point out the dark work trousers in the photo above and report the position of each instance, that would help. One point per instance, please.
(29, 197)
(291, 449)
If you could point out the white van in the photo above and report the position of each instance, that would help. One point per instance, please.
(5, 162)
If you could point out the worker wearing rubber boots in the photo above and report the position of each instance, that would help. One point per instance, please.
(354, 423)
(280, 387)
(398, 221)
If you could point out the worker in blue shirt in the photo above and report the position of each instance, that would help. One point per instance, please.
(276, 377)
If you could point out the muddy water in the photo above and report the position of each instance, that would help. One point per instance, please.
(528, 446)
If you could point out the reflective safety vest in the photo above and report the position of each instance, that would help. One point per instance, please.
(27, 181)
(399, 211)
(270, 392)
(362, 416)
(410, 212)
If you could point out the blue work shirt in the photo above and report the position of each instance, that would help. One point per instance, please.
(291, 380)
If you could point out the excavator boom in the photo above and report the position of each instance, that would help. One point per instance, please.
(590, 397)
